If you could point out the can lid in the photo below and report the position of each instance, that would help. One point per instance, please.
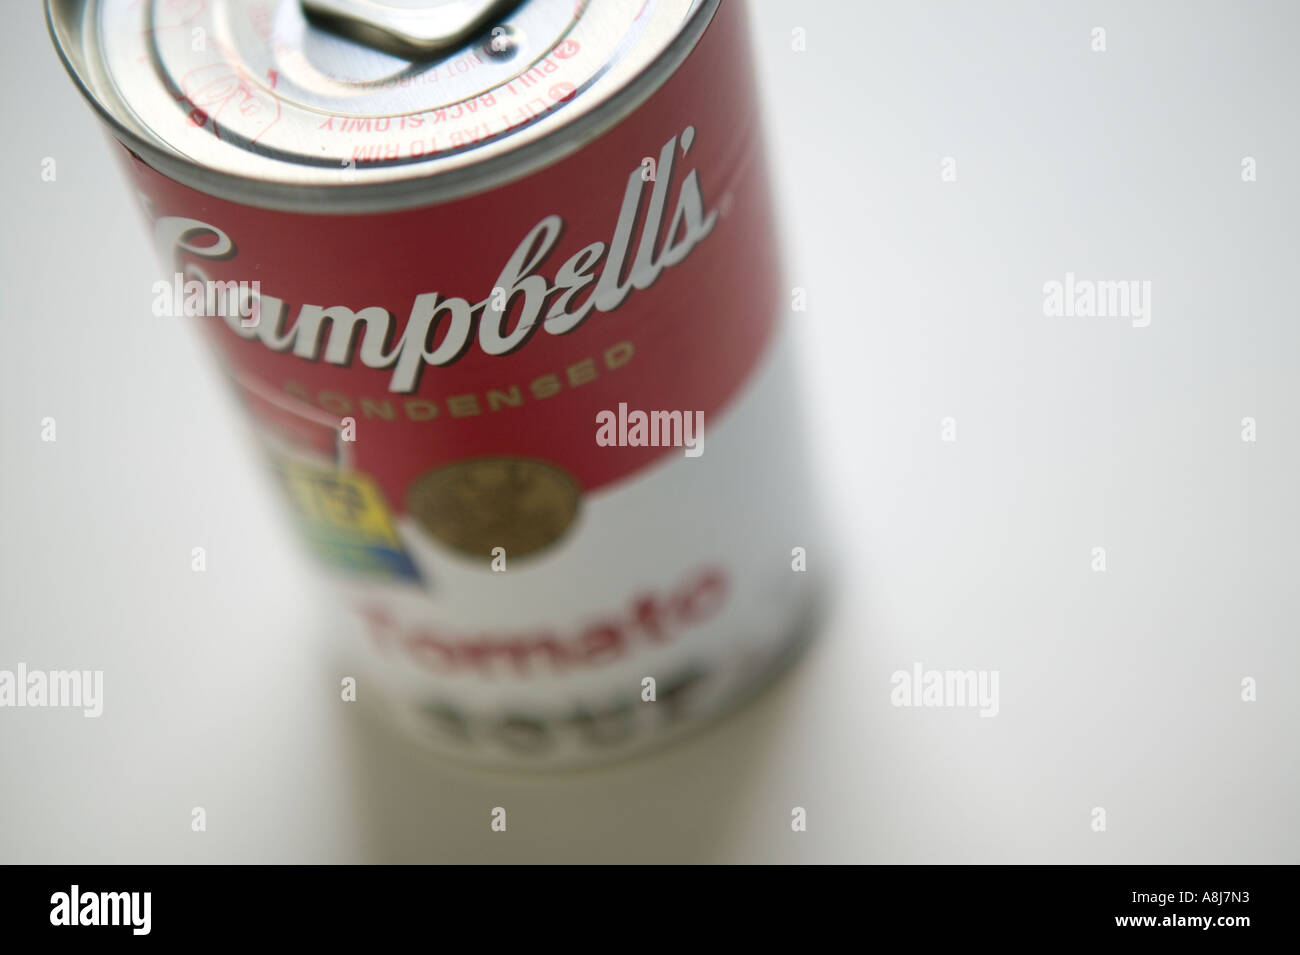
(381, 103)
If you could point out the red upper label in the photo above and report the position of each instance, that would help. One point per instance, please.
(639, 270)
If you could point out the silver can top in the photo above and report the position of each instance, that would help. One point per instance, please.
(380, 103)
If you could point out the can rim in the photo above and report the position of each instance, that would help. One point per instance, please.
(412, 191)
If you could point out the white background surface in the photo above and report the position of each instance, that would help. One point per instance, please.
(1119, 690)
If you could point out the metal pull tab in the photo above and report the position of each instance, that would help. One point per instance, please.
(414, 29)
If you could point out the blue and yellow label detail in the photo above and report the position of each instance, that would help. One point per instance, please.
(345, 520)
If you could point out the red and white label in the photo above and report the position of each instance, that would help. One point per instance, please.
(639, 270)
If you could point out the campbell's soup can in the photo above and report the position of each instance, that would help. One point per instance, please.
(499, 286)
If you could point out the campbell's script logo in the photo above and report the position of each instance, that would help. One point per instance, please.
(598, 277)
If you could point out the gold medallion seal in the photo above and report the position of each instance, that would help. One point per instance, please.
(520, 504)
